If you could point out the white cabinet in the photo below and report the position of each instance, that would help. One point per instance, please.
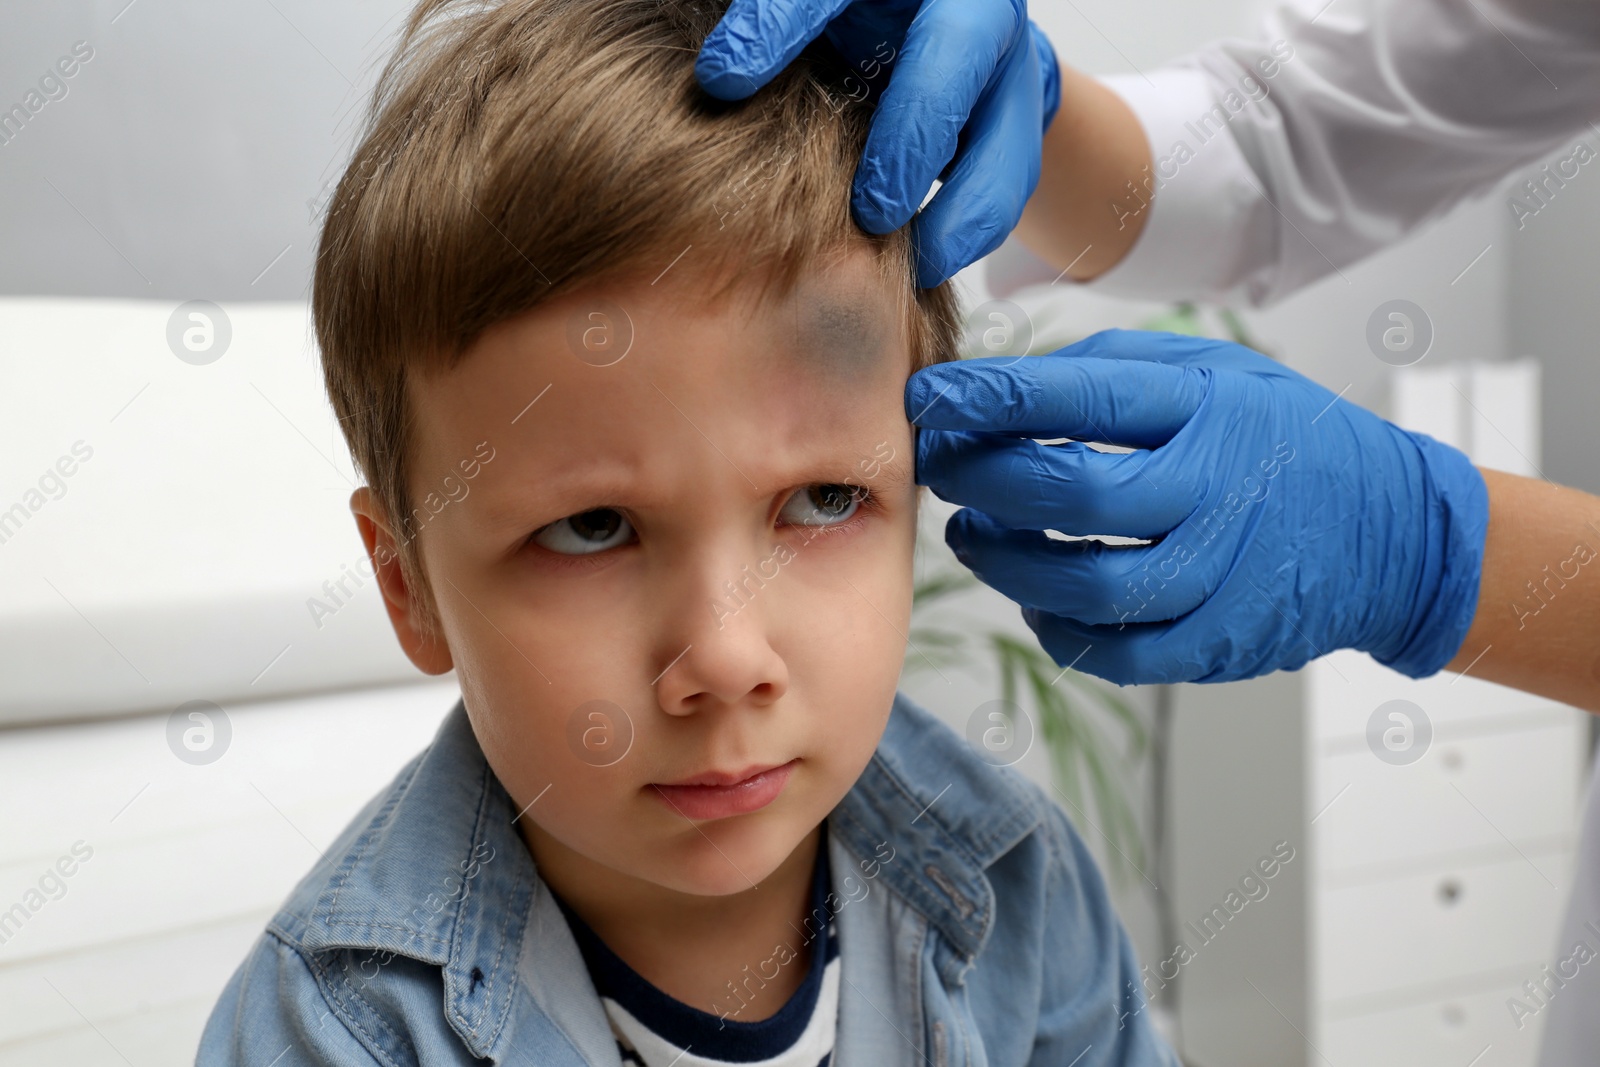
(1456, 781)
(1421, 895)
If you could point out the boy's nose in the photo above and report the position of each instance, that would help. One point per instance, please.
(716, 649)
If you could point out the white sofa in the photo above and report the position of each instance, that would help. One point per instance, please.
(168, 560)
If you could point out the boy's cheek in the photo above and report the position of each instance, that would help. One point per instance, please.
(518, 725)
(848, 650)
(541, 687)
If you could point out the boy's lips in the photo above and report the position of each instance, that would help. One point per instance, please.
(719, 794)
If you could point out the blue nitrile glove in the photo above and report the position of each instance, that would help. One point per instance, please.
(971, 87)
(1288, 522)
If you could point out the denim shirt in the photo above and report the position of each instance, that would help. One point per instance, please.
(975, 930)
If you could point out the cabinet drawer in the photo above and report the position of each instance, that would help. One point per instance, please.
(1446, 1032)
(1476, 792)
(1345, 687)
(1446, 925)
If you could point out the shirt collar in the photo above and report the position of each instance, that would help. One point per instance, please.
(946, 813)
(438, 873)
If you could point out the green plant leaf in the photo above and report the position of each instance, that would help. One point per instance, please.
(1181, 318)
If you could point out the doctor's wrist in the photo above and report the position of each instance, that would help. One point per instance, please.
(1436, 598)
(1094, 147)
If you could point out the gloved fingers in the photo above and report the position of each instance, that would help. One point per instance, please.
(950, 53)
(869, 35)
(1069, 488)
(1090, 581)
(1049, 73)
(1171, 349)
(756, 39)
(1134, 654)
(1203, 646)
(1124, 402)
(995, 171)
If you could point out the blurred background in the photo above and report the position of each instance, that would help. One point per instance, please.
(198, 686)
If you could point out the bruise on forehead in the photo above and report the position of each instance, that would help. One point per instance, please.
(842, 337)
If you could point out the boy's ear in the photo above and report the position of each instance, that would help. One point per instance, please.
(424, 647)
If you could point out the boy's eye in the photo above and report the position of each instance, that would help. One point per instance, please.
(822, 505)
(585, 533)
(602, 528)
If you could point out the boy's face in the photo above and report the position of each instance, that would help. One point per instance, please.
(666, 567)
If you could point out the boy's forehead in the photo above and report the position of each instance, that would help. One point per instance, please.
(825, 359)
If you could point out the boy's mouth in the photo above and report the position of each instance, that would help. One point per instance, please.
(719, 794)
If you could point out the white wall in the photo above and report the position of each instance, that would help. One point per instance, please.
(1553, 275)
(189, 152)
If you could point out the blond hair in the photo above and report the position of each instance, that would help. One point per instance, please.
(521, 149)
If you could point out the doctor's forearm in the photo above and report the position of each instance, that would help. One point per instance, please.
(1094, 147)
(1539, 599)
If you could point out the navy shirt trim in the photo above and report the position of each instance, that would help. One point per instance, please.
(710, 1035)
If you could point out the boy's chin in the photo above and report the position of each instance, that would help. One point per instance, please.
(719, 864)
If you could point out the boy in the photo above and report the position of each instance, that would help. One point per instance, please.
(627, 388)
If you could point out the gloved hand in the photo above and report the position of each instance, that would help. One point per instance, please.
(1286, 521)
(974, 84)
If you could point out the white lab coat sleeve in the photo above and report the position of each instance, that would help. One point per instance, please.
(1344, 126)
